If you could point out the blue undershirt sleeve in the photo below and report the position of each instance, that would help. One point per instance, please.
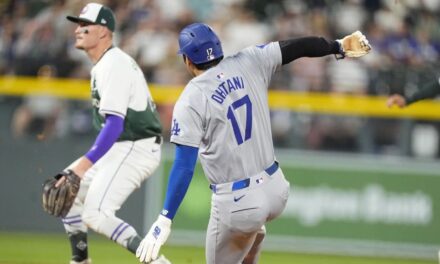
(106, 138)
(180, 177)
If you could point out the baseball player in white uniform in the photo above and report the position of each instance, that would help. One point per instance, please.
(128, 147)
(223, 117)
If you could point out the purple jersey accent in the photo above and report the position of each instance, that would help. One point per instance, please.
(120, 232)
(107, 137)
(72, 220)
(116, 230)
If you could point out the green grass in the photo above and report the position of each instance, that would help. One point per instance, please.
(26, 248)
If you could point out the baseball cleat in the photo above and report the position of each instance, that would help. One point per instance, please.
(86, 261)
(161, 260)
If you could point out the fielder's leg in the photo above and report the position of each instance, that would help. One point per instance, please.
(75, 227)
(119, 173)
(78, 243)
(106, 195)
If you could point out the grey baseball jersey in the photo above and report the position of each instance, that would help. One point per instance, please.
(224, 112)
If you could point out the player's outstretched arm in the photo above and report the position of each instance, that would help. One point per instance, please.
(429, 90)
(180, 177)
(353, 45)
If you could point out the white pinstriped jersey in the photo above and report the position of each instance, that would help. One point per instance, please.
(224, 112)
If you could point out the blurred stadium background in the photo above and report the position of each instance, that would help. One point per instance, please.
(364, 178)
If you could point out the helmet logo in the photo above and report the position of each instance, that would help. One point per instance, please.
(210, 56)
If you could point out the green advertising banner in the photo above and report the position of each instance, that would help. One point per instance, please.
(344, 199)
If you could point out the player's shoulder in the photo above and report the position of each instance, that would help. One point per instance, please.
(115, 54)
(192, 93)
(115, 58)
(193, 87)
(251, 53)
(260, 48)
(186, 98)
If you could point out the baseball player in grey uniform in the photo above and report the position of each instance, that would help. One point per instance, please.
(222, 116)
(128, 147)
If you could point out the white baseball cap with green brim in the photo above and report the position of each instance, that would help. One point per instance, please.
(94, 13)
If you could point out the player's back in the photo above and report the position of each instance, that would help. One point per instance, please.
(231, 102)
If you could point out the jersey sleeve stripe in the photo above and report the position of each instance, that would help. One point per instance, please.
(184, 142)
(104, 111)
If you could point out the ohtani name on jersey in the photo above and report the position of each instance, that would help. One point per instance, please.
(226, 87)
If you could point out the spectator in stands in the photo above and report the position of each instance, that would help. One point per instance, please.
(405, 36)
(38, 115)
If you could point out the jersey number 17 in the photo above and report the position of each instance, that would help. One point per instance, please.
(246, 102)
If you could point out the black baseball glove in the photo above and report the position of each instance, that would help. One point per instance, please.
(57, 200)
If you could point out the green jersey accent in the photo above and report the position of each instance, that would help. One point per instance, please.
(137, 124)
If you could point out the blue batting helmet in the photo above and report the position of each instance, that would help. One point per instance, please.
(199, 43)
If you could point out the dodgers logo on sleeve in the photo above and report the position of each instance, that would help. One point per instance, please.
(175, 129)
